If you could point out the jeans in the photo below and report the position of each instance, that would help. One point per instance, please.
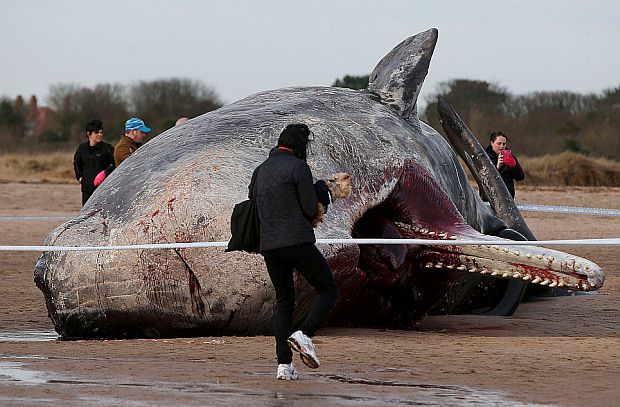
(308, 261)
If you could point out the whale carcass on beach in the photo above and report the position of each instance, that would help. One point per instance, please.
(407, 183)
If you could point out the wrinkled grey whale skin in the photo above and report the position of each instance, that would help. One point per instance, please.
(183, 184)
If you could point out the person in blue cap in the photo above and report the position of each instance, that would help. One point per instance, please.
(135, 131)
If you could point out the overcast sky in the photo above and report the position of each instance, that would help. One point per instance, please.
(242, 47)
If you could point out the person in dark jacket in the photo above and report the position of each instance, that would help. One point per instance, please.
(505, 162)
(287, 203)
(93, 160)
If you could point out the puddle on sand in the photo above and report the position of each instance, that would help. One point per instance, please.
(359, 392)
(15, 372)
(28, 336)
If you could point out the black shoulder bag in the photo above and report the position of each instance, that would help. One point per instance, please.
(245, 226)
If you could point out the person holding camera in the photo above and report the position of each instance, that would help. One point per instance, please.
(506, 163)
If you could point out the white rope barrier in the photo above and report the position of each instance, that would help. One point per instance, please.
(194, 245)
(524, 207)
(575, 210)
(37, 218)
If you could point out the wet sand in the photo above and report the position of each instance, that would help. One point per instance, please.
(553, 351)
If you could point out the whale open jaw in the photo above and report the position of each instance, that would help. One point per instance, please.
(419, 209)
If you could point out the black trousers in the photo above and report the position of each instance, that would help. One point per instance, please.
(308, 261)
(85, 196)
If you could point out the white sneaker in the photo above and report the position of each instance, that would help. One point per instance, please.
(287, 372)
(299, 342)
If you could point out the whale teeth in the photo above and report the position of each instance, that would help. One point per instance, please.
(553, 284)
(473, 270)
(432, 233)
(495, 272)
(424, 230)
(517, 253)
(450, 266)
(545, 281)
(453, 237)
(461, 268)
(537, 280)
(562, 283)
(505, 250)
(529, 256)
(505, 275)
(429, 265)
(540, 256)
(439, 265)
(443, 235)
(484, 271)
(527, 277)
(550, 258)
(516, 275)
(496, 247)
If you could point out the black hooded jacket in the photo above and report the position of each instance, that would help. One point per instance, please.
(508, 174)
(90, 161)
(286, 200)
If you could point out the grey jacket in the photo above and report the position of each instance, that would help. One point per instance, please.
(286, 200)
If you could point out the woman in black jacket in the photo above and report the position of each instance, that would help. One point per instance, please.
(93, 160)
(506, 163)
(287, 203)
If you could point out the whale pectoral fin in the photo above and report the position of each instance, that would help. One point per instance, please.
(483, 171)
(398, 77)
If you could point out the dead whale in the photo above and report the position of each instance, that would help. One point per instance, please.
(182, 186)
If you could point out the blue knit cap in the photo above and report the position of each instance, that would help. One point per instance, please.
(136, 124)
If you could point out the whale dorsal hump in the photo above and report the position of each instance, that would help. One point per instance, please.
(398, 77)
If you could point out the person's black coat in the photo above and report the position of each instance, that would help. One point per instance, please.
(89, 161)
(286, 200)
(508, 174)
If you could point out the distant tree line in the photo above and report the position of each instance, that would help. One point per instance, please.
(537, 123)
(352, 81)
(69, 107)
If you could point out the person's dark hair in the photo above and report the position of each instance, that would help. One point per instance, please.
(296, 137)
(93, 126)
(496, 134)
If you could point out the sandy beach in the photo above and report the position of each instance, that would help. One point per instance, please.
(561, 351)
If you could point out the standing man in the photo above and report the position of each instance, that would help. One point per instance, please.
(135, 131)
(505, 162)
(286, 201)
(93, 160)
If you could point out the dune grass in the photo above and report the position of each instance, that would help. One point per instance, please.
(52, 167)
(566, 169)
(571, 169)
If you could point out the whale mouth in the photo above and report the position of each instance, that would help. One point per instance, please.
(419, 209)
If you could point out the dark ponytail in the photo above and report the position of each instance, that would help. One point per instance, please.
(296, 137)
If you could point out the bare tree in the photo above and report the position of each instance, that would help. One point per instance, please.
(161, 102)
(77, 105)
